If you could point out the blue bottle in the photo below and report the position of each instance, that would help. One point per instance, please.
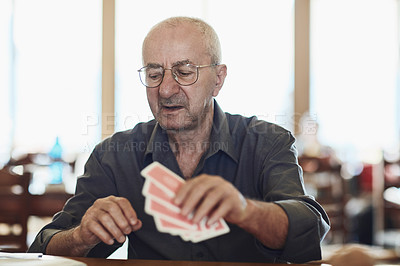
(56, 167)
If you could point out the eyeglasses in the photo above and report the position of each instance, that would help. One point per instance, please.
(183, 74)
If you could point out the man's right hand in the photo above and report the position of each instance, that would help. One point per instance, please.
(107, 219)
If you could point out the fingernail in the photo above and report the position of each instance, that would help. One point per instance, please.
(196, 220)
(211, 222)
(190, 216)
(177, 201)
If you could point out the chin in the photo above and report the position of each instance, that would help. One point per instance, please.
(177, 123)
(176, 127)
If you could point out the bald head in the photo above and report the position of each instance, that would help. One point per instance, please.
(209, 36)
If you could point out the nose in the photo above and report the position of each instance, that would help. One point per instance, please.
(168, 86)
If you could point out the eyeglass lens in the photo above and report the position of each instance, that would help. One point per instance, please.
(183, 74)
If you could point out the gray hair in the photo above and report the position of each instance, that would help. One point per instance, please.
(211, 39)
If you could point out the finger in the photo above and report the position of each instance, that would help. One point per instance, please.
(232, 208)
(210, 201)
(189, 186)
(123, 214)
(127, 210)
(221, 211)
(108, 222)
(195, 196)
(137, 226)
(110, 214)
(96, 229)
(182, 192)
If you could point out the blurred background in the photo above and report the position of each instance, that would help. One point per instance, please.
(328, 70)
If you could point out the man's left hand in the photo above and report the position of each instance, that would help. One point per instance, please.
(212, 197)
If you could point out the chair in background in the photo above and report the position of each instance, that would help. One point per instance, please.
(323, 180)
(14, 204)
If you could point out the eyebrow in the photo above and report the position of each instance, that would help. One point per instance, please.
(183, 62)
(153, 65)
(178, 63)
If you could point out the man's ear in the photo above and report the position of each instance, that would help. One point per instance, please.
(221, 72)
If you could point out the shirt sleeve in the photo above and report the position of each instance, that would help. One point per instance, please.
(87, 191)
(282, 183)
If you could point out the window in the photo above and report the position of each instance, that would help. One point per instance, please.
(354, 70)
(52, 74)
(5, 81)
(257, 47)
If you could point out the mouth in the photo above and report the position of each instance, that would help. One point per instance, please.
(171, 108)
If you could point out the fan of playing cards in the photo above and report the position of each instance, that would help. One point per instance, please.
(160, 188)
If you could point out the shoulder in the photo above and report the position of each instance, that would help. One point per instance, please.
(127, 140)
(254, 128)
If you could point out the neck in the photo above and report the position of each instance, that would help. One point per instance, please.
(193, 141)
(189, 145)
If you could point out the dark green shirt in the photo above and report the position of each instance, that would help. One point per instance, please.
(257, 157)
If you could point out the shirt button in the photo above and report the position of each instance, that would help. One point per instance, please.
(200, 254)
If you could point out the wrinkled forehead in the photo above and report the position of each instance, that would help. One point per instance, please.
(167, 44)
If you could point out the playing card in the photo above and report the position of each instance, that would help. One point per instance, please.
(169, 227)
(154, 208)
(165, 178)
(194, 235)
(160, 188)
(153, 190)
(206, 232)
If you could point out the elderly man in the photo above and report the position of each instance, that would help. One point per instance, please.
(240, 169)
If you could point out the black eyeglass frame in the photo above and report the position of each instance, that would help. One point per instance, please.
(175, 77)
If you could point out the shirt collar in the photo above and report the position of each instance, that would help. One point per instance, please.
(220, 138)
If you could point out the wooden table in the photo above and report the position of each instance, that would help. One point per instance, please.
(112, 262)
